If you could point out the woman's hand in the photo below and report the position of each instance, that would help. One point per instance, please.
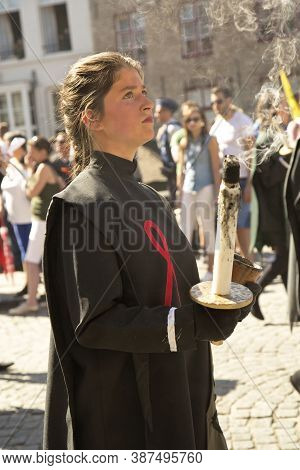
(213, 324)
(218, 325)
(180, 167)
(255, 289)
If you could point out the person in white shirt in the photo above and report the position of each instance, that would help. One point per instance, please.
(235, 135)
(13, 184)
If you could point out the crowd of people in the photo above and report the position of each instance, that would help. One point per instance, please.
(269, 165)
(31, 174)
(192, 153)
(109, 122)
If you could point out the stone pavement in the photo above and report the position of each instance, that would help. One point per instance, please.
(24, 340)
(258, 408)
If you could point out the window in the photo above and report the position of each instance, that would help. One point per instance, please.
(3, 108)
(11, 40)
(55, 28)
(13, 101)
(130, 30)
(195, 30)
(17, 107)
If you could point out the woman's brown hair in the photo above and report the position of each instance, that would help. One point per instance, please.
(40, 143)
(84, 88)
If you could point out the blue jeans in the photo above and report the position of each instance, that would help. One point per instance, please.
(22, 235)
(244, 211)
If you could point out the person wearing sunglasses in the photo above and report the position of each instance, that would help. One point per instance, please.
(234, 131)
(198, 179)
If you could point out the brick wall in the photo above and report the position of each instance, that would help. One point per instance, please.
(236, 60)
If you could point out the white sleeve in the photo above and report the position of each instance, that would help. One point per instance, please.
(247, 127)
(171, 330)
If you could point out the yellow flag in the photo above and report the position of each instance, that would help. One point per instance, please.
(290, 97)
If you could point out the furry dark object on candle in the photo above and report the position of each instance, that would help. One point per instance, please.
(231, 169)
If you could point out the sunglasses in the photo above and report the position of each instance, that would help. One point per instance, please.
(219, 101)
(195, 119)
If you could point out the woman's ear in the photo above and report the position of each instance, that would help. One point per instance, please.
(91, 120)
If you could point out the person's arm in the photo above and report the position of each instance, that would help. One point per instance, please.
(174, 145)
(101, 317)
(181, 163)
(248, 188)
(215, 162)
(42, 177)
(247, 144)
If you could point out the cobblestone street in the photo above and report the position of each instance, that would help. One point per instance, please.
(24, 340)
(258, 408)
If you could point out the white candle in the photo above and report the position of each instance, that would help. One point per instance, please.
(228, 206)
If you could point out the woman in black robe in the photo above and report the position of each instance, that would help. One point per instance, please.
(130, 361)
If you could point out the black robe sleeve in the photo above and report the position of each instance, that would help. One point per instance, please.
(100, 317)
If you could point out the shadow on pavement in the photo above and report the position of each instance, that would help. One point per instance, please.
(268, 323)
(21, 428)
(225, 386)
(8, 301)
(9, 376)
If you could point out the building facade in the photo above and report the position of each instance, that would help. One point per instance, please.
(39, 40)
(184, 55)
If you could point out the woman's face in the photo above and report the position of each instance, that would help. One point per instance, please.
(35, 154)
(127, 122)
(19, 154)
(194, 122)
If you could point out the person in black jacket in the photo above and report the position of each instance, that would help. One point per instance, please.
(164, 114)
(130, 361)
(268, 182)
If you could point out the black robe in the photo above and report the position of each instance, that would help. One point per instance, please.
(268, 183)
(292, 201)
(121, 375)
